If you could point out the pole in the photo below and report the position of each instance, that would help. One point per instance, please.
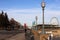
(43, 20)
(36, 22)
(43, 6)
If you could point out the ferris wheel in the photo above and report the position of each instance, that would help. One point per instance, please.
(54, 21)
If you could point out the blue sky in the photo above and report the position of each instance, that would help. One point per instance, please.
(24, 11)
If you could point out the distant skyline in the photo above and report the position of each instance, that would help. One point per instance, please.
(24, 11)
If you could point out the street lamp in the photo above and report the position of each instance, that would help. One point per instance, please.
(36, 22)
(43, 6)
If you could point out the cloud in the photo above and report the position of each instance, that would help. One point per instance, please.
(28, 15)
(52, 13)
(22, 10)
(24, 15)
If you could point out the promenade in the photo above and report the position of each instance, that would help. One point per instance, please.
(12, 35)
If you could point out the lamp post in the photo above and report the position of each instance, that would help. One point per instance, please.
(43, 6)
(36, 22)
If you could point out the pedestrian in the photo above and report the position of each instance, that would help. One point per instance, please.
(25, 30)
(32, 37)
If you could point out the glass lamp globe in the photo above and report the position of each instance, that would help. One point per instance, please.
(43, 4)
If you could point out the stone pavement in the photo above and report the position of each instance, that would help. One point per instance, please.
(12, 35)
(20, 36)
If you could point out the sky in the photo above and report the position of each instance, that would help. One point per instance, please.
(25, 11)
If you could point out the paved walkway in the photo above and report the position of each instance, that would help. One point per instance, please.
(20, 36)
